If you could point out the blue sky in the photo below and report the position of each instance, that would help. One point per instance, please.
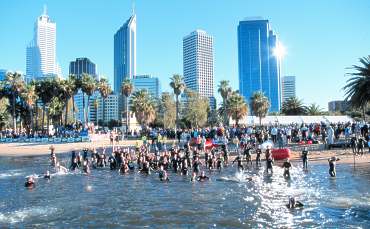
(322, 38)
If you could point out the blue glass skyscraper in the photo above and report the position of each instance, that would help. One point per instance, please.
(259, 68)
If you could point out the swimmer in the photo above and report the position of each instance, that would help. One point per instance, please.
(47, 175)
(74, 165)
(293, 203)
(269, 163)
(240, 163)
(163, 174)
(85, 167)
(60, 169)
(193, 176)
(332, 164)
(202, 177)
(258, 156)
(305, 157)
(30, 182)
(287, 165)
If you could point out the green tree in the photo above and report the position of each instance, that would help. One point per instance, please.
(293, 106)
(260, 105)
(4, 114)
(167, 110)
(127, 88)
(15, 84)
(197, 108)
(314, 109)
(88, 87)
(357, 89)
(29, 96)
(67, 91)
(56, 108)
(178, 86)
(104, 90)
(225, 90)
(144, 107)
(237, 108)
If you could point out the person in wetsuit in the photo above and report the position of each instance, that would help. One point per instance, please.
(184, 168)
(219, 163)
(240, 163)
(293, 203)
(269, 161)
(287, 165)
(202, 177)
(145, 168)
(74, 165)
(248, 156)
(196, 165)
(47, 175)
(332, 164)
(258, 156)
(112, 162)
(30, 182)
(305, 158)
(86, 167)
(163, 174)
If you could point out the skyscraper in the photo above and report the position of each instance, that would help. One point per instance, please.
(288, 87)
(149, 83)
(78, 67)
(198, 64)
(259, 68)
(124, 57)
(41, 51)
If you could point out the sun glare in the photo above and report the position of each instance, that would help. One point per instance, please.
(279, 50)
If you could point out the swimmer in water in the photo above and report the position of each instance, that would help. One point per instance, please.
(202, 177)
(86, 167)
(332, 164)
(305, 158)
(30, 182)
(60, 168)
(240, 163)
(163, 174)
(293, 203)
(74, 165)
(287, 165)
(47, 175)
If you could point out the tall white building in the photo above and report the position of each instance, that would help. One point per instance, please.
(198, 64)
(124, 57)
(41, 52)
(288, 87)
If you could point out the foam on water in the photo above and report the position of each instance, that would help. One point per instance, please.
(21, 215)
(11, 173)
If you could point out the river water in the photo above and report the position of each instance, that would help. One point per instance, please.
(106, 199)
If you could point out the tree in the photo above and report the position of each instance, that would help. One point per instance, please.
(314, 109)
(144, 107)
(293, 106)
(260, 105)
(67, 90)
(56, 108)
(357, 89)
(104, 90)
(15, 85)
(4, 114)
(236, 107)
(225, 90)
(178, 86)
(126, 90)
(45, 91)
(88, 87)
(30, 97)
(167, 110)
(197, 109)
(77, 82)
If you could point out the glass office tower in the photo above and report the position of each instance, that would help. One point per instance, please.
(259, 68)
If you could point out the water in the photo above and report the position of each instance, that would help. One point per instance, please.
(107, 199)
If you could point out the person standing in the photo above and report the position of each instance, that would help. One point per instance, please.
(305, 158)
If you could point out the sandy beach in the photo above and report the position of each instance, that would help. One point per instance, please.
(30, 149)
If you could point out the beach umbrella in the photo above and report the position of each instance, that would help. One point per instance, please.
(267, 145)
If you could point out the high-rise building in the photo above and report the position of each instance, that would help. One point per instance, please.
(338, 106)
(3, 74)
(147, 82)
(109, 106)
(78, 67)
(124, 57)
(198, 64)
(41, 51)
(288, 87)
(259, 67)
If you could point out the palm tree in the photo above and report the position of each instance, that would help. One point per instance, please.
(314, 109)
(178, 86)
(30, 97)
(357, 89)
(88, 87)
(225, 90)
(237, 108)
(126, 90)
(293, 106)
(260, 105)
(68, 89)
(77, 82)
(15, 84)
(144, 107)
(104, 90)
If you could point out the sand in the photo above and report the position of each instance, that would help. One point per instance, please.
(317, 155)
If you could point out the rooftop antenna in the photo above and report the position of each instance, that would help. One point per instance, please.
(45, 10)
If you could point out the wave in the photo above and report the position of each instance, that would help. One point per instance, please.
(21, 215)
(11, 173)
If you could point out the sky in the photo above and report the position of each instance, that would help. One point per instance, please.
(322, 38)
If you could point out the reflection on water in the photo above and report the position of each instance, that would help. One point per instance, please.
(228, 200)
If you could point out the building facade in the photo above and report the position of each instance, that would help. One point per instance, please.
(3, 74)
(149, 83)
(198, 64)
(107, 109)
(259, 68)
(338, 106)
(288, 87)
(78, 67)
(41, 51)
(124, 58)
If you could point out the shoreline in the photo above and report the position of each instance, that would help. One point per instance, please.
(38, 149)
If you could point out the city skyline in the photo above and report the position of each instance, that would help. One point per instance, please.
(160, 54)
